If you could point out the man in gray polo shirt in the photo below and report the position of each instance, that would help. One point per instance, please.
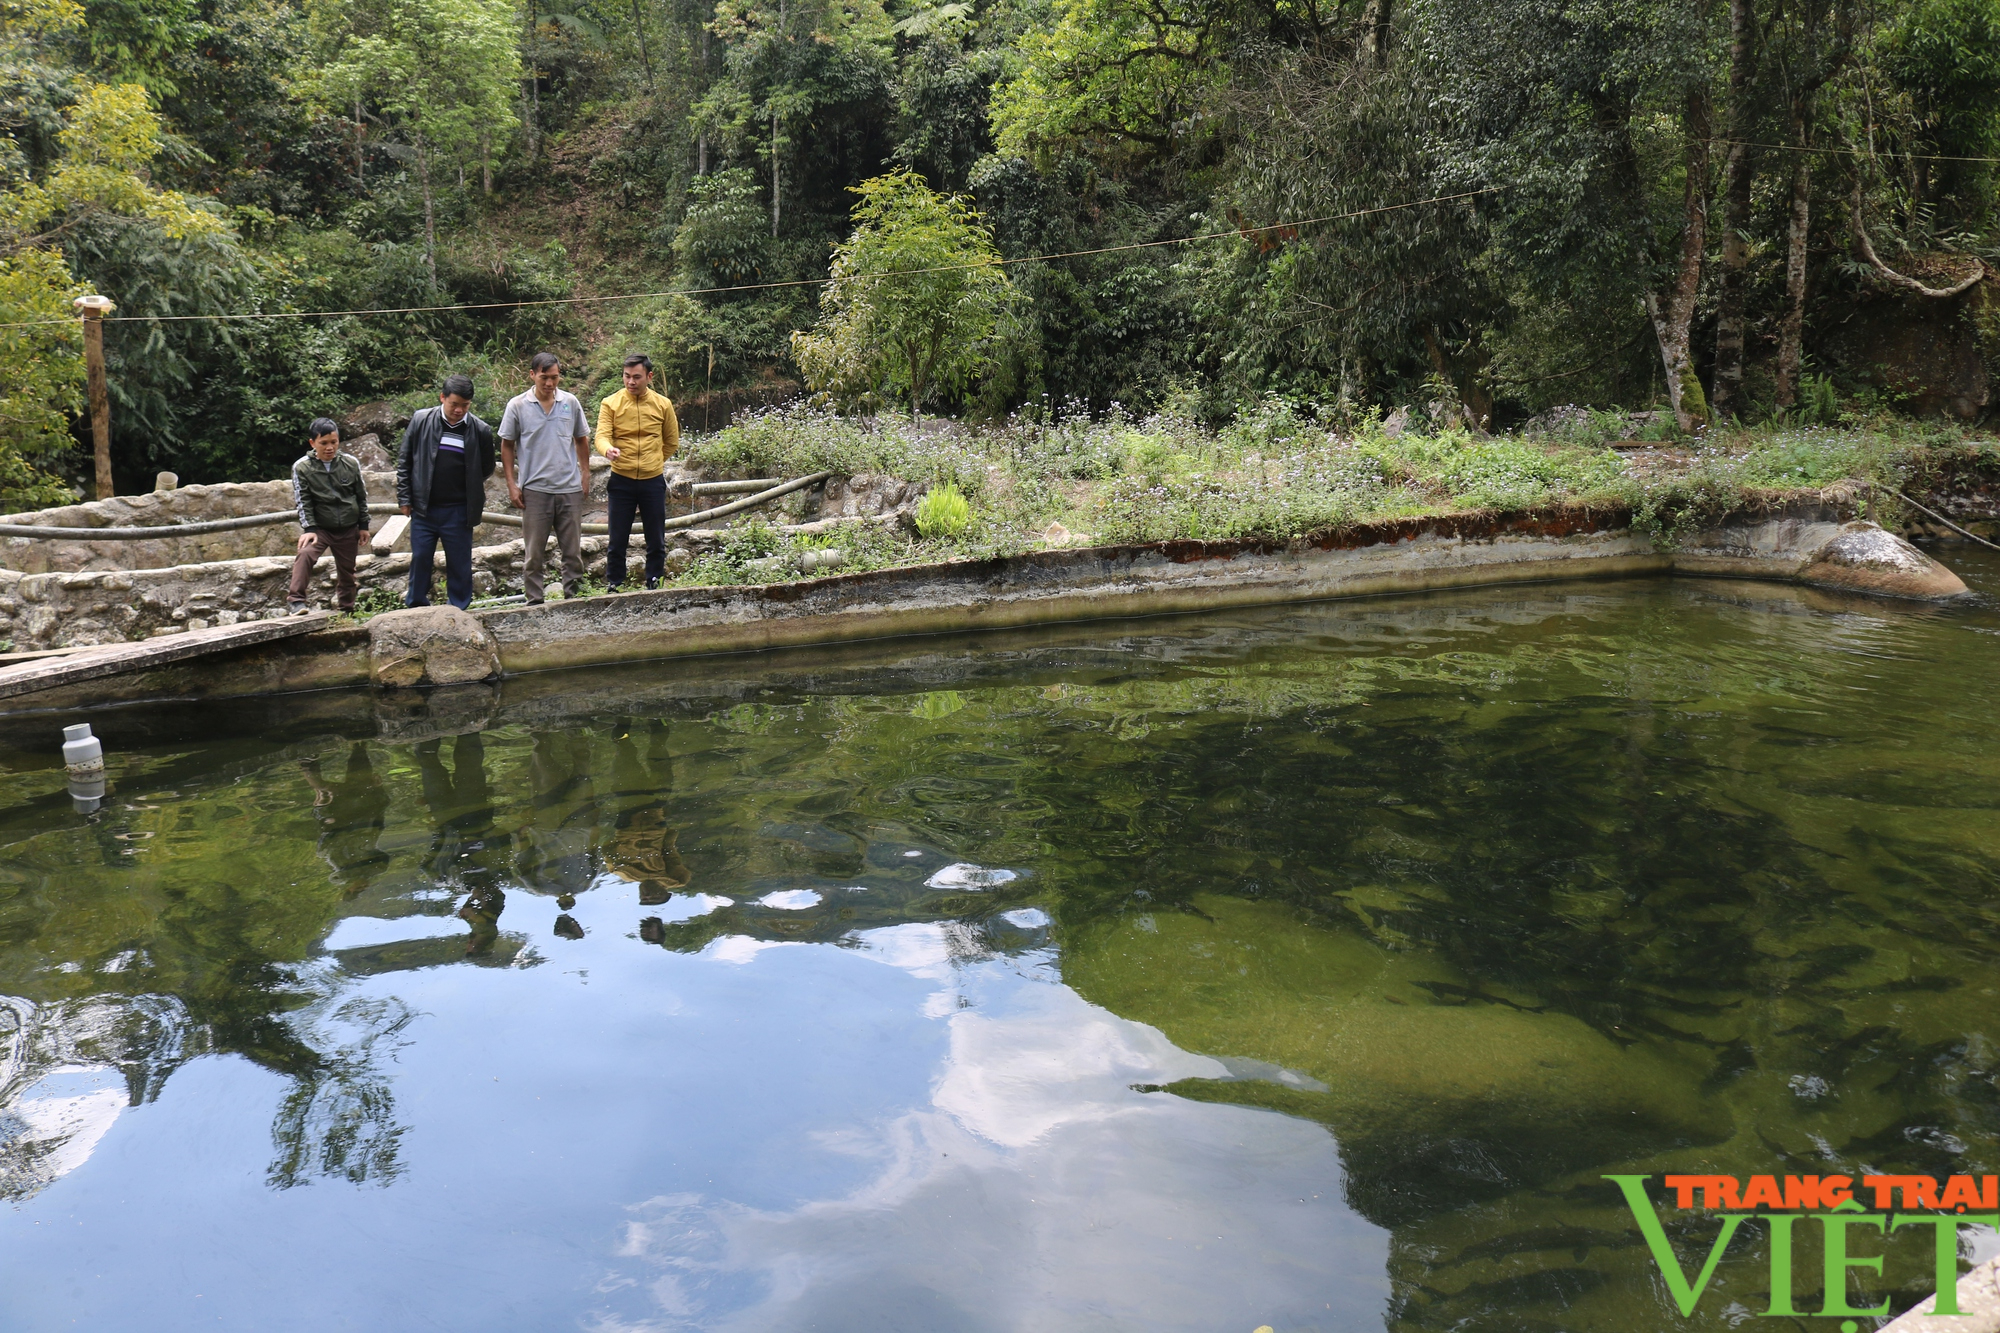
(544, 436)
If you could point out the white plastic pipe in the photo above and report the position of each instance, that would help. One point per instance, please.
(83, 753)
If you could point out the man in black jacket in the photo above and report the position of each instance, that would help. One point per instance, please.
(441, 473)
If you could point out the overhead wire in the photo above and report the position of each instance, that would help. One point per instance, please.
(1852, 152)
(465, 307)
(773, 286)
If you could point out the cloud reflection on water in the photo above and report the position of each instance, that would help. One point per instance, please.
(1036, 1190)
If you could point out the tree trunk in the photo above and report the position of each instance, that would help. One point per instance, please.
(486, 160)
(430, 212)
(360, 148)
(1475, 402)
(1738, 170)
(645, 59)
(774, 175)
(1791, 333)
(1672, 316)
(701, 138)
(1375, 26)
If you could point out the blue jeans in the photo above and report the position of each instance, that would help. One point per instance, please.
(453, 529)
(648, 498)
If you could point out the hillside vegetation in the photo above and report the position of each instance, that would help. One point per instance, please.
(1113, 212)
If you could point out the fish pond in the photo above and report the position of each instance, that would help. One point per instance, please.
(1305, 968)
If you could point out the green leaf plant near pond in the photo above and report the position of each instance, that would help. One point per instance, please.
(1283, 472)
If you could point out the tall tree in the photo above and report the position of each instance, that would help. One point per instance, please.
(443, 72)
(784, 64)
(914, 296)
(1742, 121)
(1131, 78)
(1811, 42)
(95, 184)
(1595, 121)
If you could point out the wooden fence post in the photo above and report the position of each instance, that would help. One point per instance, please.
(94, 309)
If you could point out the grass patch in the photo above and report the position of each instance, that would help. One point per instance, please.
(1282, 471)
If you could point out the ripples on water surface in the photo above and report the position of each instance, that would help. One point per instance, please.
(1303, 967)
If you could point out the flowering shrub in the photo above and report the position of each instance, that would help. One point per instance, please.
(797, 440)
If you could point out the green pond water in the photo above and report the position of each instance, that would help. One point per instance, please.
(1305, 967)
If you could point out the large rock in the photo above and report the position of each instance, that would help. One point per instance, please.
(1978, 1299)
(382, 420)
(1867, 559)
(368, 451)
(430, 645)
(1927, 352)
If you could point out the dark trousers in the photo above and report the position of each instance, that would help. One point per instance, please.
(648, 499)
(451, 529)
(342, 544)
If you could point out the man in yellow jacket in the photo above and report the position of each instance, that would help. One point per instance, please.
(638, 432)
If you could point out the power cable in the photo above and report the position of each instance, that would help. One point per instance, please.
(1940, 518)
(1852, 152)
(772, 286)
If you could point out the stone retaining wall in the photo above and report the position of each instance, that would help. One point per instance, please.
(163, 509)
(61, 594)
(72, 609)
(66, 609)
(841, 497)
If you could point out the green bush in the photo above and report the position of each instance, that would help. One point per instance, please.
(1819, 402)
(751, 541)
(943, 513)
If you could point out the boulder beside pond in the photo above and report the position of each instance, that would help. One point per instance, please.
(430, 645)
(1867, 559)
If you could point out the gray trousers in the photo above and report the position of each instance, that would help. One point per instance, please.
(564, 514)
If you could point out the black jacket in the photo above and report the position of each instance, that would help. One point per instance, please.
(418, 457)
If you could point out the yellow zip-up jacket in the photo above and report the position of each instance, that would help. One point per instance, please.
(645, 434)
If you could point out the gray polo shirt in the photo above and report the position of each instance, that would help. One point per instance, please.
(545, 442)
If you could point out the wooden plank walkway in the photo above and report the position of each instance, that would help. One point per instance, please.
(113, 659)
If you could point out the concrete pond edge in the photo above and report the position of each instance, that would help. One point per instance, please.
(1812, 541)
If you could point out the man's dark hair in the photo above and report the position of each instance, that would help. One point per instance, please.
(457, 384)
(639, 359)
(322, 426)
(543, 360)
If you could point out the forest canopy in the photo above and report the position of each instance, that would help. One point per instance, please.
(1490, 210)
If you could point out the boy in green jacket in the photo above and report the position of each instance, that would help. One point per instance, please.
(332, 500)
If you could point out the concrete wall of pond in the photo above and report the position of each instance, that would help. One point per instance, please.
(1814, 543)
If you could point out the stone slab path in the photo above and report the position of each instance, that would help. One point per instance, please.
(113, 659)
